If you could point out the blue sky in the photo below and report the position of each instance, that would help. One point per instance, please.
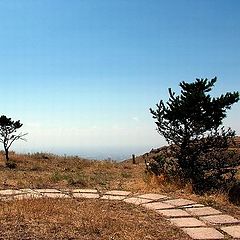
(82, 74)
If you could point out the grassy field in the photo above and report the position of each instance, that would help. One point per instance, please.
(48, 171)
(88, 219)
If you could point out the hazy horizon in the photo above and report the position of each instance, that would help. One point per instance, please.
(101, 153)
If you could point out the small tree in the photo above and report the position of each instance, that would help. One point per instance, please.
(8, 129)
(191, 123)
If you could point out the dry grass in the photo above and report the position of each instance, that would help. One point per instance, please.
(50, 171)
(218, 200)
(82, 219)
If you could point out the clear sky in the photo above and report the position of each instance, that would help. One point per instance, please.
(81, 75)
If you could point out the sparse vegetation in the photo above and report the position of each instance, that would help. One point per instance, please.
(82, 218)
(191, 123)
(44, 170)
(73, 172)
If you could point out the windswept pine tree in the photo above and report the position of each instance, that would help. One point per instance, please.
(8, 135)
(192, 123)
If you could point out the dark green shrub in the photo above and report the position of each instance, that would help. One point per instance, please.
(234, 194)
(157, 165)
(11, 165)
(166, 166)
(215, 170)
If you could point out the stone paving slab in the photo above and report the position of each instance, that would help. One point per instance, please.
(137, 201)
(113, 197)
(203, 233)
(152, 196)
(233, 231)
(157, 206)
(220, 219)
(55, 195)
(10, 192)
(26, 190)
(66, 191)
(27, 196)
(86, 195)
(173, 213)
(179, 202)
(187, 222)
(47, 190)
(202, 211)
(118, 193)
(193, 205)
(84, 191)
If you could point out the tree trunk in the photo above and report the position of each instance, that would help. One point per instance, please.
(6, 155)
(133, 159)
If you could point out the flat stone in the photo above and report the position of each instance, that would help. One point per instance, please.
(27, 196)
(203, 233)
(193, 205)
(55, 195)
(157, 205)
(10, 192)
(173, 213)
(233, 231)
(220, 219)
(187, 222)
(152, 196)
(137, 201)
(84, 191)
(202, 211)
(113, 197)
(118, 193)
(29, 191)
(26, 190)
(86, 195)
(179, 202)
(66, 191)
(47, 190)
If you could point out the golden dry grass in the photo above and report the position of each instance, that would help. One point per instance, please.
(82, 219)
(51, 171)
(48, 171)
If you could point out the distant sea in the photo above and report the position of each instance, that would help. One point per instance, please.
(118, 154)
(97, 153)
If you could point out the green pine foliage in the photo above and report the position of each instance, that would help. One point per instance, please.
(192, 124)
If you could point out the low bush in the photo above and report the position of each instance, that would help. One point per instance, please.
(212, 171)
(11, 165)
(167, 167)
(234, 194)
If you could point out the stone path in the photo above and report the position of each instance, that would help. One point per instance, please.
(196, 220)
